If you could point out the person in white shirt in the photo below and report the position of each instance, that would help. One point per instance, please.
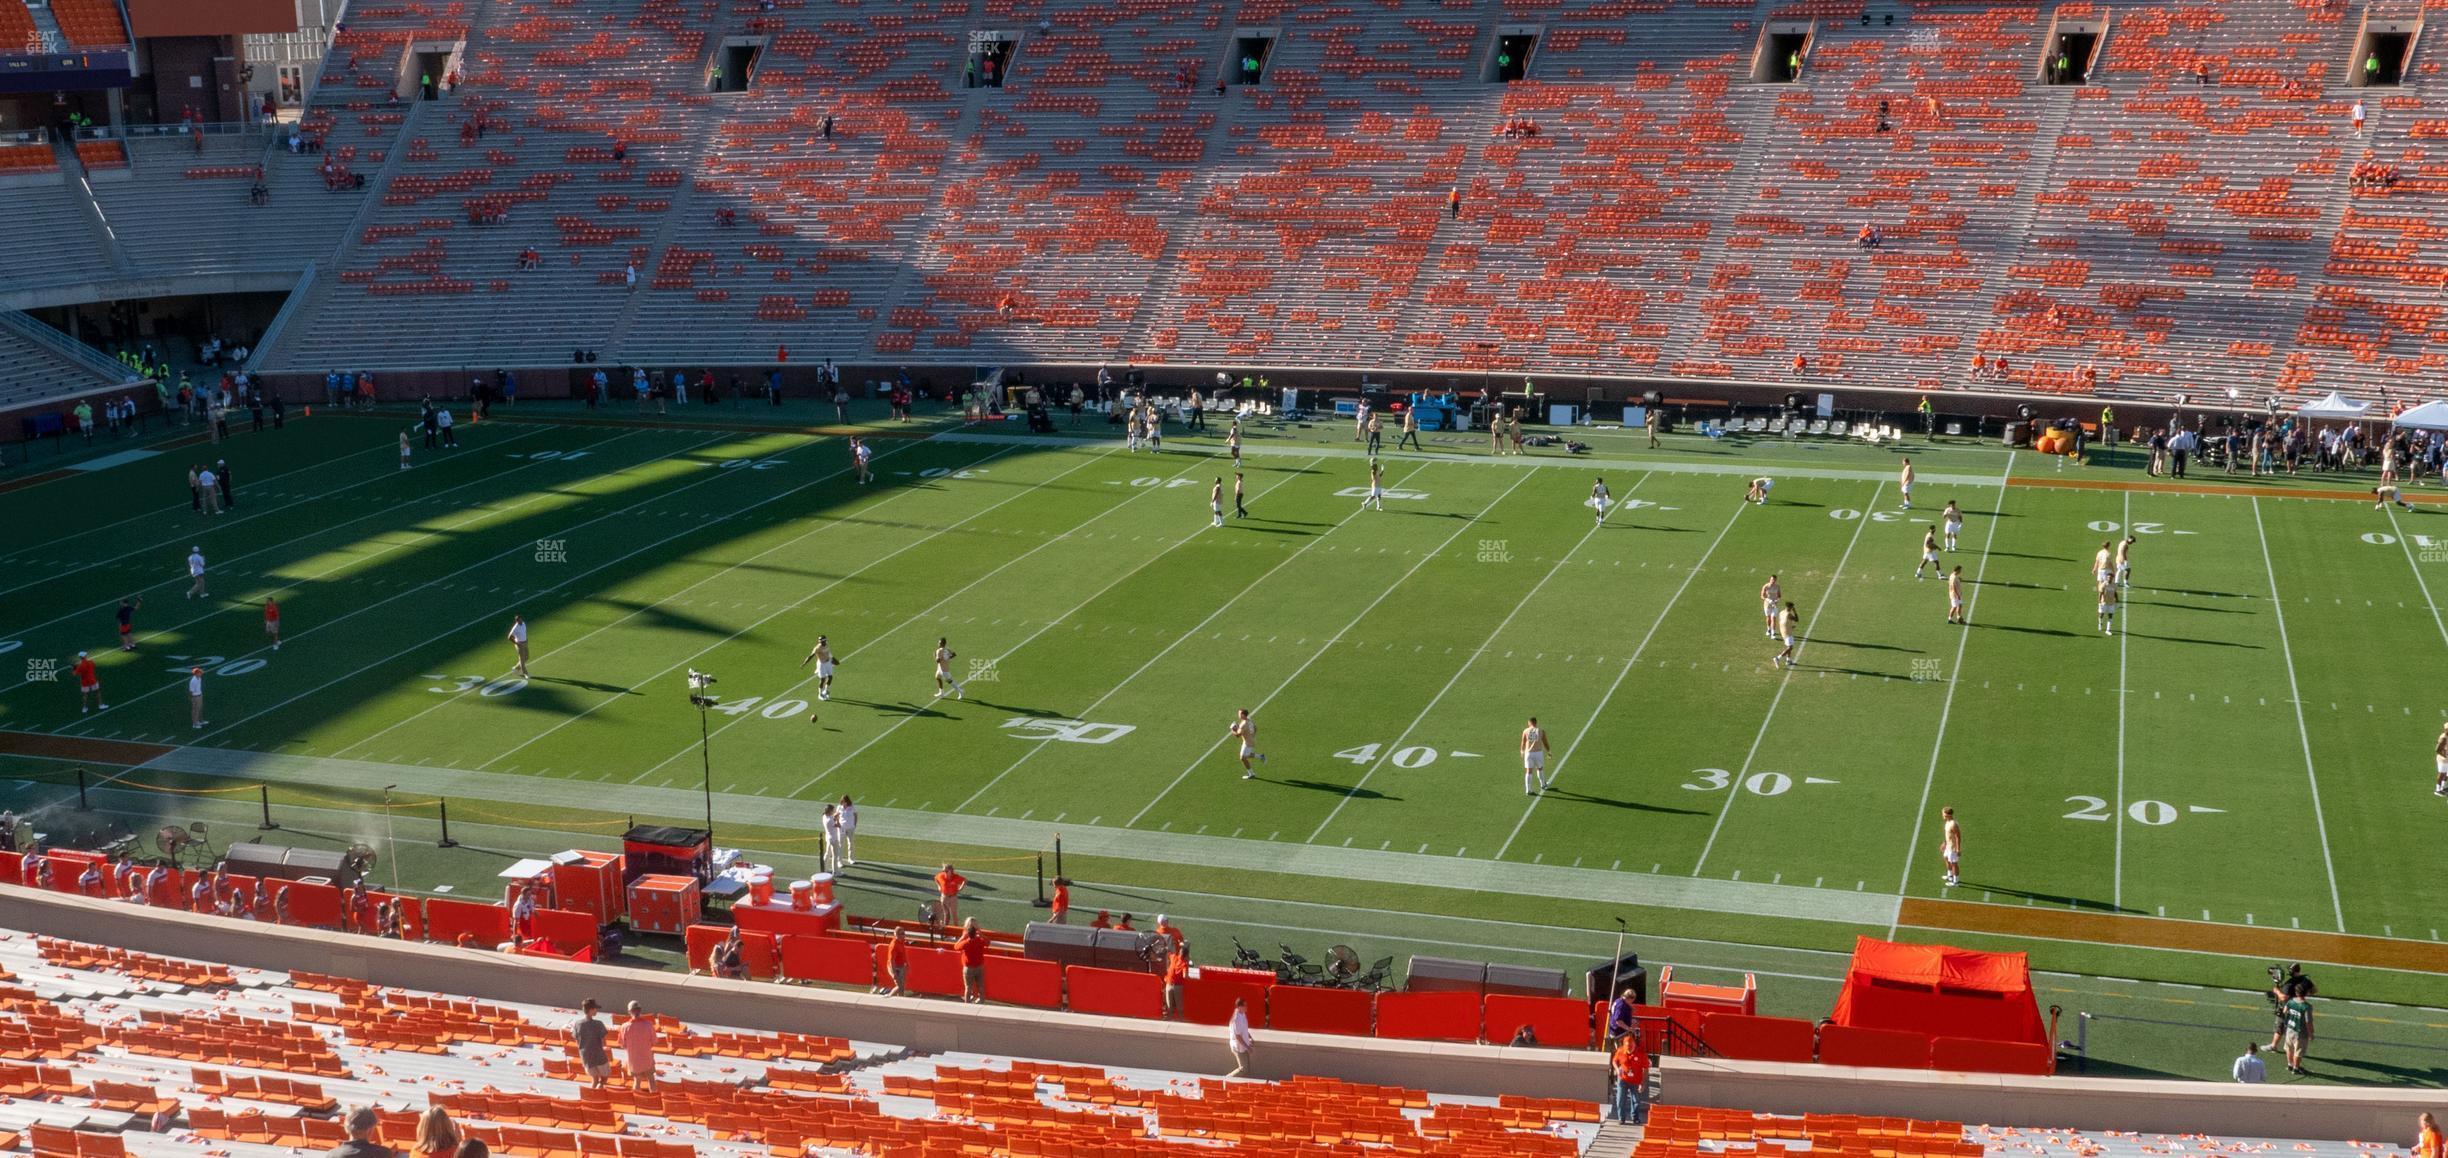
(1237, 1035)
(1534, 758)
(944, 655)
(195, 697)
(210, 485)
(442, 424)
(822, 656)
(518, 641)
(849, 830)
(860, 452)
(195, 567)
(1600, 500)
(2248, 1068)
(831, 857)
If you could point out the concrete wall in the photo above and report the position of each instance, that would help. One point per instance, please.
(2159, 1107)
(921, 1023)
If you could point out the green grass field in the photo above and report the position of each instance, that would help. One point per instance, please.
(2248, 757)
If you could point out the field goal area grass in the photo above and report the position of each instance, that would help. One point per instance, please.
(2225, 778)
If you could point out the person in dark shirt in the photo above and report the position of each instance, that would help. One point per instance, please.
(361, 1144)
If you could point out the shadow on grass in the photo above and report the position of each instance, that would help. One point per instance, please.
(1353, 791)
(2027, 630)
(1626, 805)
(2201, 642)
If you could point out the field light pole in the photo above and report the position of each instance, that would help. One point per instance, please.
(698, 682)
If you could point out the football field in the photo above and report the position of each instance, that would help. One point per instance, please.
(2242, 772)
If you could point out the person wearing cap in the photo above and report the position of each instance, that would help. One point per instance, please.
(362, 1124)
(588, 1035)
(947, 894)
(1166, 928)
(518, 641)
(1176, 972)
(89, 685)
(195, 697)
(221, 477)
(195, 572)
(896, 964)
(127, 621)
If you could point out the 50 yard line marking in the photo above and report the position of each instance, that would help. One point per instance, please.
(897, 494)
(939, 604)
(1946, 706)
(2419, 582)
(2295, 699)
(1493, 635)
(1734, 785)
(1633, 661)
(1327, 646)
(1057, 621)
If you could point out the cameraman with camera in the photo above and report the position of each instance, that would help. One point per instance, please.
(2290, 994)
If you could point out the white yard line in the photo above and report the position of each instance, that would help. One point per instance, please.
(1955, 679)
(1734, 785)
(1632, 662)
(1050, 625)
(1323, 648)
(1471, 658)
(2124, 693)
(387, 512)
(2416, 564)
(821, 526)
(938, 605)
(2303, 732)
(335, 621)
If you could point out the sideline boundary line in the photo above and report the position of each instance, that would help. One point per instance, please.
(2419, 581)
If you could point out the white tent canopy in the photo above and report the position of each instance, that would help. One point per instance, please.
(2334, 406)
(2428, 416)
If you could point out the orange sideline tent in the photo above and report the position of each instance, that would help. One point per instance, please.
(1940, 991)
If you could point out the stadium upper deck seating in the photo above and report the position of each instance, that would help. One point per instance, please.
(1668, 216)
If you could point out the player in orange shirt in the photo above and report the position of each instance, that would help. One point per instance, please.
(1062, 901)
(272, 622)
(89, 685)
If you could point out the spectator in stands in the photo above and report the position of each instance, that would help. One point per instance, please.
(1453, 202)
(1176, 972)
(89, 882)
(971, 946)
(637, 1039)
(1237, 1036)
(436, 1135)
(1621, 1021)
(730, 957)
(588, 1036)
(1524, 1036)
(896, 965)
(2427, 1141)
(1631, 1080)
(827, 131)
(474, 1148)
(2358, 116)
(947, 894)
(362, 1125)
(2248, 1068)
(1868, 238)
(629, 276)
(2201, 72)
(281, 913)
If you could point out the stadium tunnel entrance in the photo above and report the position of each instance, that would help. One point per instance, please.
(1784, 49)
(2381, 53)
(179, 329)
(735, 64)
(1511, 60)
(1251, 48)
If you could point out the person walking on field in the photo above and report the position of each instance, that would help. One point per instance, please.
(944, 655)
(1246, 730)
(2439, 751)
(1534, 758)
(2295, 1021)
(518, 641)
(822, 656)
(1410, 431)
(1950, 845)
(271, 612)
(195, 697)
(1240, 511)
(195, 573)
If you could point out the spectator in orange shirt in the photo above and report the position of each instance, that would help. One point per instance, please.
(2427, 1142)
(1102, 921)
(1168, 930)
(896, 964)
(1176, 971)
(972, 950)
(1062, 901)
(947, 891)
(1631, 1079)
